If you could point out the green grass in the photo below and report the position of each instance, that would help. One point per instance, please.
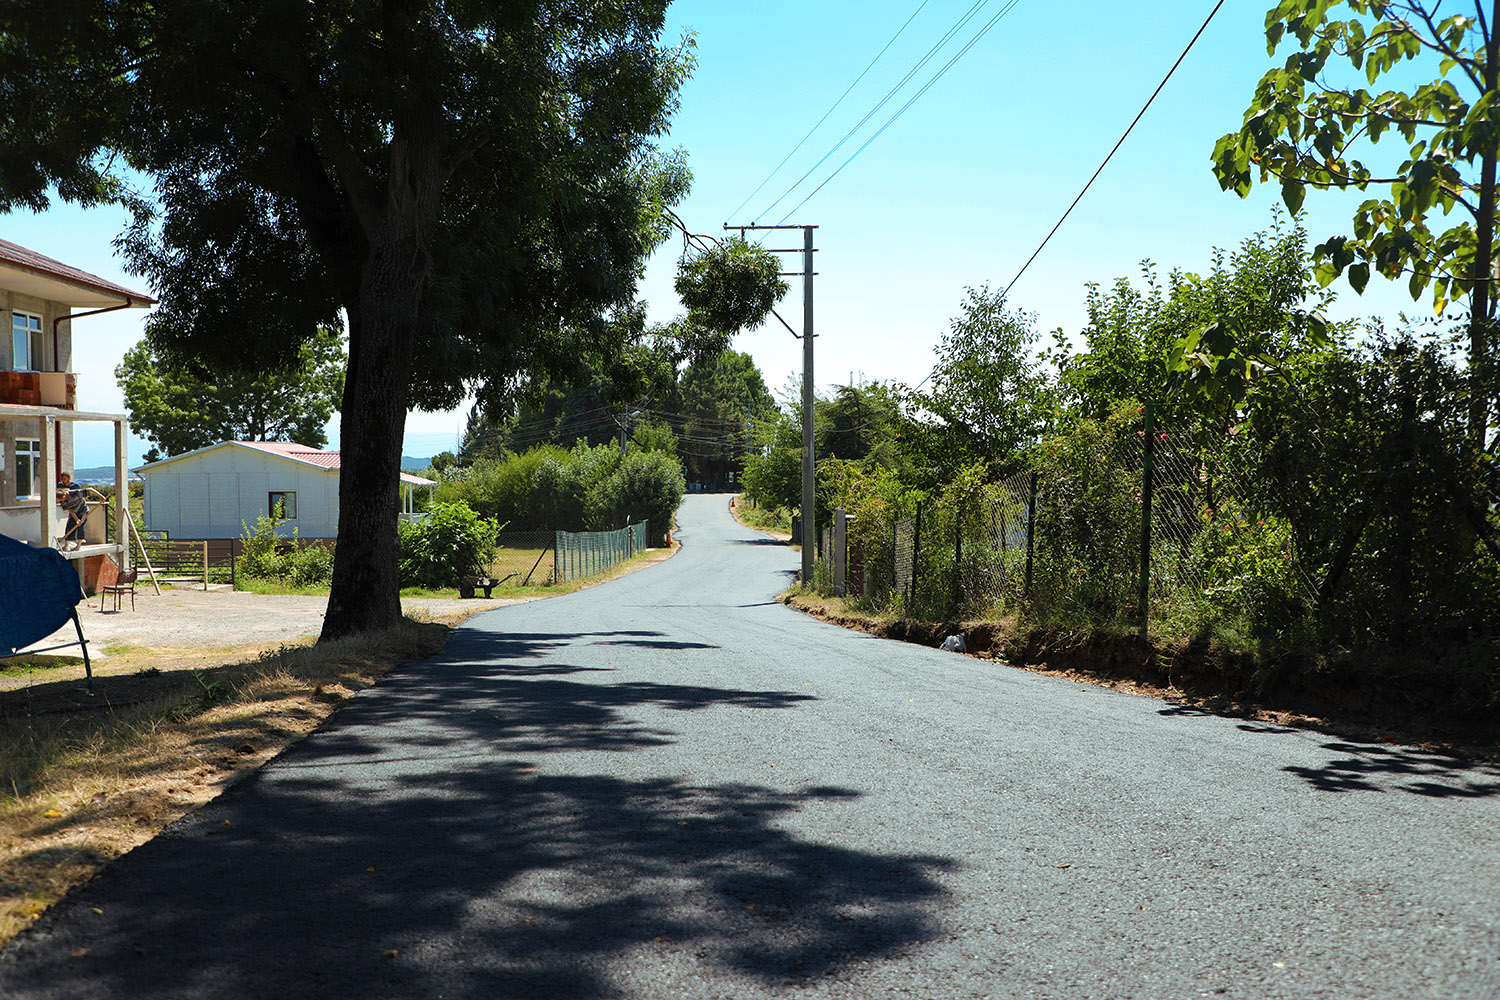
(260, 585)
(767, 518)
(36, 664)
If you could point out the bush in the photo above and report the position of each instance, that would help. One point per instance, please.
(309, 565)
(502, 489)
(260, 549)
(646, 486)
(451, 542)
(266, 555)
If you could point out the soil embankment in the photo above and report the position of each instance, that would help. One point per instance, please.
(1373, 697)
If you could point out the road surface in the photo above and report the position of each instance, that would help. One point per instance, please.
(672, 786)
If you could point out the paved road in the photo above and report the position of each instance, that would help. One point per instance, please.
(670, 786)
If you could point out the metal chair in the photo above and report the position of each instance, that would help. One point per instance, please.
(124, 583)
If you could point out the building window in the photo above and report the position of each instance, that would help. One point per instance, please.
(26, 342)
(28, 467)
(283, 505)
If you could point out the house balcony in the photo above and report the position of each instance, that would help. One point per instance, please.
(56, 389)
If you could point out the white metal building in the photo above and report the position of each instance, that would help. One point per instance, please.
(215, 492)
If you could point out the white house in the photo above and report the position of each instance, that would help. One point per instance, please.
(215, 491)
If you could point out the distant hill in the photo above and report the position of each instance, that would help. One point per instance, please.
(98, 474)
(409, 464)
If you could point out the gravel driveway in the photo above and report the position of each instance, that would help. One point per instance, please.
(219, 618)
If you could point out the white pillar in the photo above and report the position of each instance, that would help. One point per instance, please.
(122, 495)
(48, 484)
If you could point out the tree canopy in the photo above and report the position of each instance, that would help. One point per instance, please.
(1310, 126)
(474, 185)
(179, 405)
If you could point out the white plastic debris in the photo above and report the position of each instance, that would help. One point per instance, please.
(955, 644)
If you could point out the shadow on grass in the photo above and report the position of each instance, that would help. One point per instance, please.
(408, 850)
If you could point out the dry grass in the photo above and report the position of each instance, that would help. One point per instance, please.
(82, 781)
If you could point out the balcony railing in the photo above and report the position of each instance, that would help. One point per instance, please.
(59, 389)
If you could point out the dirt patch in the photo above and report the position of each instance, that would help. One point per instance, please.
(1352, 698)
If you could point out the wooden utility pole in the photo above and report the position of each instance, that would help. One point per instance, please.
(809, 462)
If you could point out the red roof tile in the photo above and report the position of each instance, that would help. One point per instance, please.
(15, 255)
(326, 459)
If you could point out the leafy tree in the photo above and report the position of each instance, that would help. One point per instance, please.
(714, 402)
(472, 184)
(730, 285)
(180, 404)
(1195, 345)
(859, 422)
(773, 470)
(1310, 129)
(989, 396)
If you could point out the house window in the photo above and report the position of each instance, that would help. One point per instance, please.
(283, 505)
(26, 342)
(28, 467)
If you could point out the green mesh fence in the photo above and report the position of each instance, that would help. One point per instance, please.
(582, 554)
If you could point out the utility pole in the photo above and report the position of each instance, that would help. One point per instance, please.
(809, 464)
(624, 420)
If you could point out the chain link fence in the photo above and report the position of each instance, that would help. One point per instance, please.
(1106, 529)
(523, 558)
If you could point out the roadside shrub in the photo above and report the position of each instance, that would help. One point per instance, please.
(646, 486)
(502, 489)
(260, 549)
(451, 542)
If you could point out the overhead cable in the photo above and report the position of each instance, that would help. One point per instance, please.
(912, 100)
(830, 110)
(1112, 152)
(963, 20)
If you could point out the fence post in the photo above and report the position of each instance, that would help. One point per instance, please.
(916, 549)
(958, 554)
(895, 546)
(205, 564)
(556, 557)
(1030, 529)
(840, 551)
(1146, 471)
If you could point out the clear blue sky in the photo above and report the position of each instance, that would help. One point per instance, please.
(957, 192)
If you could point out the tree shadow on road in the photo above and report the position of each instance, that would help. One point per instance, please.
(1383, 768)
(482, 877)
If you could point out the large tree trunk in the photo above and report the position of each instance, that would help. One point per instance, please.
(365, 593)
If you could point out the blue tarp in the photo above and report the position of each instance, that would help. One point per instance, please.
(38, 590)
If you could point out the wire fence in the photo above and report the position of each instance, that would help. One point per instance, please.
(1106, 529)
(581, 554)
(523, 557)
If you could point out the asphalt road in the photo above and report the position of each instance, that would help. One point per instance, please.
(671, 786)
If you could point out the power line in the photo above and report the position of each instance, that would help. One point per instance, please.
(958, 25)
(1112, 152)
(830, 110)
(914, 98)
